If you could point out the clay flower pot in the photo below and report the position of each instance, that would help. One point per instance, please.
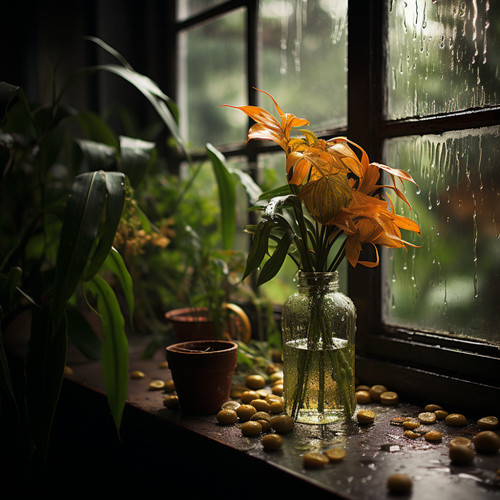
(202, 371)
(193, 323)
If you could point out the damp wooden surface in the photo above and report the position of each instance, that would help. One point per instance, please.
(193, 447)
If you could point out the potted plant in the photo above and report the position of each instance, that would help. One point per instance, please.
(208, 276)
(62, 196)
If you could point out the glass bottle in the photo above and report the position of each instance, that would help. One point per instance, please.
(318, 326)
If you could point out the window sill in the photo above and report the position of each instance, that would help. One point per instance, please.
(164, 448)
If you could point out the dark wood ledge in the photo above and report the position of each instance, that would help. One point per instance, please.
(161, 450)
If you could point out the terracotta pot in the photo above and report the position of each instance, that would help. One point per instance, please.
(202, 371)
(192, 323)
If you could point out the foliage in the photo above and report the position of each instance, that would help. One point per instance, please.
(62, 196)
(331, 192)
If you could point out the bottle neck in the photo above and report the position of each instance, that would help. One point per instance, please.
(319, 281)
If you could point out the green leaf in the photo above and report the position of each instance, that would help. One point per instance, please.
(98, 156)
(161, 102)
(115, 198)
(259, 246)
(44, 375)
(279, 191)
(115, 263)
(274, 263)
(227, 196)
(114, 354)
(96, 129)
(135, 158)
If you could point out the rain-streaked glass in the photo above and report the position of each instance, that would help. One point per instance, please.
(187, 8)
(212, 72)
(304, 58)
(451, 283)
(442, 56)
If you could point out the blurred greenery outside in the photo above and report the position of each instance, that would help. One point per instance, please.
(441, 58)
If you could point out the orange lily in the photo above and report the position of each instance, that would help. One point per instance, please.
(339, 187)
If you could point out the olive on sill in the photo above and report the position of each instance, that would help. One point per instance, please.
(399, 483)
(277, 389)
(461, 454)
(486, 442)
(260, 405)
(255, 382)
(455, 420)
(251, 428)
(427, 417)
(244, 412)
(432, 407)
(171, 401)
(375, 392)
(460, 440)
(314, 460)
(282, 424)
(248, 396)
(365, 416)
(276, 407)
(490, 422)
(389, 398)
(272, 442)
(433, 436)
(227, 417)
(169, 386)
(335, 454)
(362, 397)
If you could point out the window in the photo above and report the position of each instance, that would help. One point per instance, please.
(416, 84)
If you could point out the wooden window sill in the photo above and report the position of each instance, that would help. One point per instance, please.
(162, 448)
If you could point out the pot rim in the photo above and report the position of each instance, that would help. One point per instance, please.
(188, 315)
(196, 347)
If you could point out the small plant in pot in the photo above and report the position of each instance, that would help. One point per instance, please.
(211, 272)
(202, 371)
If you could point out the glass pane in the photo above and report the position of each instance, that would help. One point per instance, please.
(441, 57)
(212, 72)
(272, 172)
(188, 8)
(450, 284)
(304, 58)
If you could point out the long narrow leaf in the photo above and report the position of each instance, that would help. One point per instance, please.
(274, 263)
(114, 262)
(80, 229)
(259, 246)
(152, 93)
(227, 196)
(115, 198)
(114, 354)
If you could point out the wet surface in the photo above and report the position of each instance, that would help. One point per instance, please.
(373, 452)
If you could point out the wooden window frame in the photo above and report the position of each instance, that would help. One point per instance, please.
(425, 366)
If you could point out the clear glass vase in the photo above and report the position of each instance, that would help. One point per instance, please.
(319, 326)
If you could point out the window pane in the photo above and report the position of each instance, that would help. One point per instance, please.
(304, 58)
(211, 73)
(441, 56)
(450, 284)
(187, 8)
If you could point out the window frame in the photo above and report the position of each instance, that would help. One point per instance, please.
(426, 366)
